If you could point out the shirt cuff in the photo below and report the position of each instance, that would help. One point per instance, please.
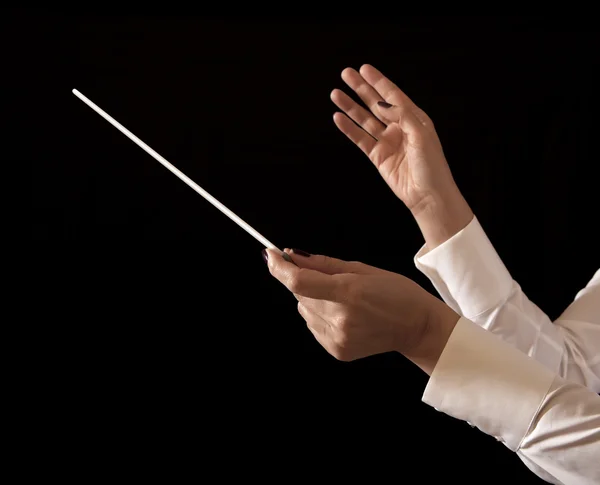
(486, 382)
(466, 271)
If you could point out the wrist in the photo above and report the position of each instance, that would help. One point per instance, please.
(439, 321)
(441, 215)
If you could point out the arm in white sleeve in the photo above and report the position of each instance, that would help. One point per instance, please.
(472, 279)
(551, 423)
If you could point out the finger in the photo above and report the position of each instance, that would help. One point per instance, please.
(357, 135)
(383, 86)
(317, 326)
(378, 153)
(362, 88)
(323, 308)
(358, 114)
(302, 281)
(391, 93)
(327, 264)
(400, 114)
(312, 318)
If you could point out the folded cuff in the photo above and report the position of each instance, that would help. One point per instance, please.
(486, 382)
(466, 271)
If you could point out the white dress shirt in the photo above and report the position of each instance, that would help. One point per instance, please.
(511, 371)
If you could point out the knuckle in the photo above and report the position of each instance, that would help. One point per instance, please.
(295, 281)
(342, 321)
(372, 126)
(342, 340)
(293, 284)
(356, 266)
(353, 291)
(341, 354)
(346, 288)
(424, 118)
(340, 336)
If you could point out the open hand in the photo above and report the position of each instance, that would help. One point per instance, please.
(397, 136)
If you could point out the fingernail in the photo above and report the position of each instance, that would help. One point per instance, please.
(300, 252)
(265, 256)
(287, 257)
(383, 104)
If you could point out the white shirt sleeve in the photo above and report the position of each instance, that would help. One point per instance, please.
(472, 279)
(552, 424)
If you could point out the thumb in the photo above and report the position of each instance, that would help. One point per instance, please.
(326, 264)
(400, 114)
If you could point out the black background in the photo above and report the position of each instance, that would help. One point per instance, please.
(167, 344)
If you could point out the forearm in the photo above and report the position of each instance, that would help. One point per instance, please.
(471, 278)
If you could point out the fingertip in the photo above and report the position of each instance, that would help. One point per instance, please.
(347, 72)
(338, 118)
(274, 254)
(370, 73)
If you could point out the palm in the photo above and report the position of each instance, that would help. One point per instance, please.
(400, 155)
(391, 156)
